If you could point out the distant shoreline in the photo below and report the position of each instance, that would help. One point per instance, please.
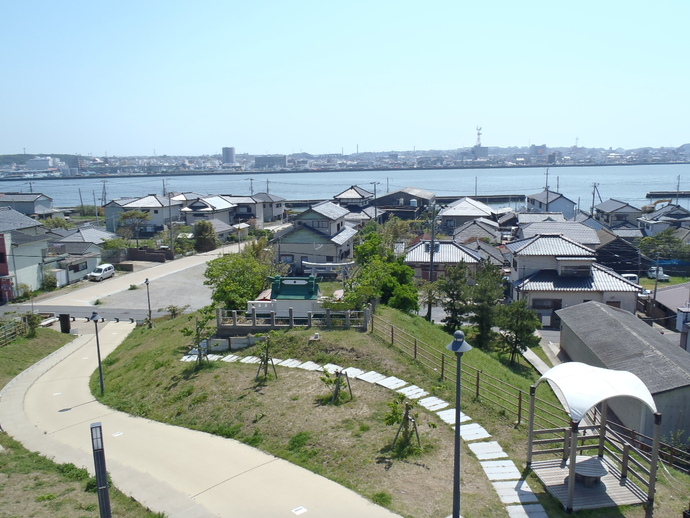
(307, 171)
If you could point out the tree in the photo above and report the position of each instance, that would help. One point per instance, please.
(405, 298)
(429, 293)
(134, 220)
(456, 296)
(485, 296)
(665, 245)
(202, 329)
(518, 324)
(205, 238)
(57, 223)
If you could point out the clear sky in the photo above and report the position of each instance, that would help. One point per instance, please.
(190, 77)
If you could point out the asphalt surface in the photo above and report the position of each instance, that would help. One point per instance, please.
(181, 472)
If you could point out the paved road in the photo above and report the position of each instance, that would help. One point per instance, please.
(181, 472)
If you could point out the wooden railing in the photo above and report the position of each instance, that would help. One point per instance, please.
(508, 398)
(11, 330)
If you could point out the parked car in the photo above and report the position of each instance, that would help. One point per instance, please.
(104, 271)
(657, 272)
(631, 277)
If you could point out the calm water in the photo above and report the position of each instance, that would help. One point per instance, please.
(626, 183)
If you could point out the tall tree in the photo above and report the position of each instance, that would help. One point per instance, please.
(486, 295)
(456, 296)
(205, 238)
(518, 323)
(134, 220)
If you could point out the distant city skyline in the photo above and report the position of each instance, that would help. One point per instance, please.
(269, 77)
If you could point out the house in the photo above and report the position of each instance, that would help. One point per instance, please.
(669, 216)
(357, 217)
(464, 210)
(476, 229)
(550, 201)
(209, 208)
(354, 196)
(162, 210)
(576, 231)
(274, 206)
(247, 208)
(490, 253)
(407, 203)
(613, 213)
(87, 234)
(604, 336)
(620, 254)
(525, 218)
(299, 294)
(319, 235)
(35, 205)
(554, 272)
(71, 261)
(445, 253)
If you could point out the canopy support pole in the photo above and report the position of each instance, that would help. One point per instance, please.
(655, 458)
(602, 427)
(530, 433)
(571, 467)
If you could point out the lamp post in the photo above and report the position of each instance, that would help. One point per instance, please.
(94, 319)
(101, 472)
(459, 347)
(148, 297)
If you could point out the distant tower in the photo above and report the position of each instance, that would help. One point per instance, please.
(228, 155)
(479, 136)
(478, 151)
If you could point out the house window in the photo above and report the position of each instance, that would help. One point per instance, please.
(329, 258)
(287, 258)
(582, 270)
(319, 224)
(78, 267)
(155, 211)
(546, 304)
(614, 303)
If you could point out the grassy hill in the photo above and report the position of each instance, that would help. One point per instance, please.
(348, 443)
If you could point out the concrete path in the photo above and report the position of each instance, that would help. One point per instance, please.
(181, 472)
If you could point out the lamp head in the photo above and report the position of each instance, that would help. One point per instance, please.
(459, 345)
(146, 281)
(95, 317)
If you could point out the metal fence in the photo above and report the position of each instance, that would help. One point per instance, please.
(234, 320)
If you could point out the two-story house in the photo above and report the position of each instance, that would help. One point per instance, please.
(247, 208)
(407, 203)
(614, 213)
(463, 210)
(550, 201)
(35, 205)
(319, 235)
(669, 216)
(162, 211)
(209, 208)
(274, 206)
(445, 253)
(553, 272)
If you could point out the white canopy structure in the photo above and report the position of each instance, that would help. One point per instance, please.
(583, 386)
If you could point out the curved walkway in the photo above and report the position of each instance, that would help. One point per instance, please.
(181, 472)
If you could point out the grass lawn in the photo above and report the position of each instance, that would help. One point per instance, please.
(32, 485)
(348, 443)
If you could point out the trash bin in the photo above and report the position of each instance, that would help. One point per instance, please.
(64, 323)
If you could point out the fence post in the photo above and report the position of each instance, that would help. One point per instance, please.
(328, 318)
(309, 317)
(347, 319)
(273, 318)
(254, 316)
(234, 317)
(443, 366)
(479, 373)
(392, 336)
(292, 317)
(415, 348)
(519, 419)
(626, 456)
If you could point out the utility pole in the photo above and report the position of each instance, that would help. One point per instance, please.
(432, 249)
(251, 186)
(376, 203)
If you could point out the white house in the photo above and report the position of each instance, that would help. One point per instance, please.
(550, 201)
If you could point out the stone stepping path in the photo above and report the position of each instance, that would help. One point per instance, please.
(448, 416)
(413, 392)
(514, 492)
(392, 383)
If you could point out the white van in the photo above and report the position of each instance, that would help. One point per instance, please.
(104, 271)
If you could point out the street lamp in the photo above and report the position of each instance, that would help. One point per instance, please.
(94, 319)
(148, 296)
(101, 472)
(459, 347)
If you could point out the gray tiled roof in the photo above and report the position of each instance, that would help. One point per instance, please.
(623, 342)
(602, 279)
(266, 197)
(330, 210)
(19, 197)
(10, 219)
(548, 197)
(448, 252)
(571, 229)
(20, 238)
(344, 236)
(89, 235)
(353, 193)
(612, 205)
(555, 245)
(534, 217)
(467, 207)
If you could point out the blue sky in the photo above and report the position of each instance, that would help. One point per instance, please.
(187, 78)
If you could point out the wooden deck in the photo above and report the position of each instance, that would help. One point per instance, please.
(610, 492)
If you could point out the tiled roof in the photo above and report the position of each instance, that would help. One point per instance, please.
(612, 205)
(534, 217)
(10, 219)
(602, 279)
(266, 197)
(575, 231)
(89, 235)
(447, 252)
(621, 341)
(238, 200)
(212, 203)
(329, 210)
(418, 193)
(353, 193)
(19, 197)
(344, 236)
(467, 207)
(548, 197)
(555, 245)
(20, 238)
(666, 212)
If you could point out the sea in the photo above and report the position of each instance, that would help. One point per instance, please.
(584, 185)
